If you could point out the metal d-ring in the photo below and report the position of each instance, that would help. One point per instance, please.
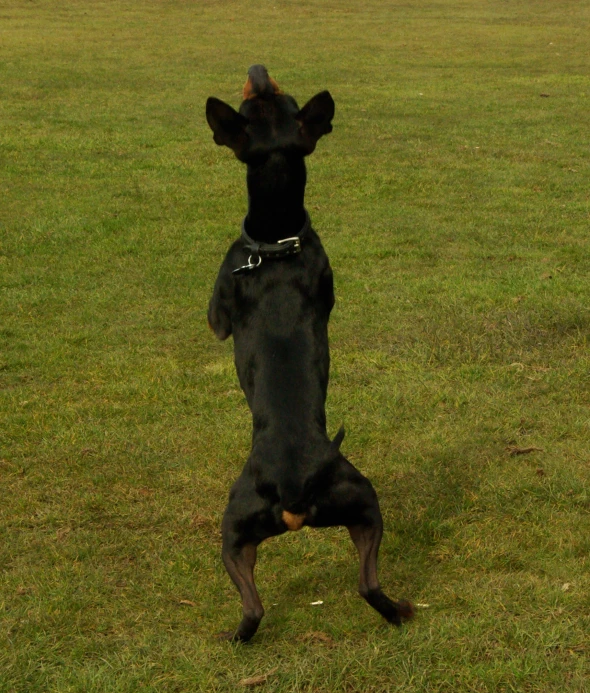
(249, 266)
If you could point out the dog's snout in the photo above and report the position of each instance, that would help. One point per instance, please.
(259, 83)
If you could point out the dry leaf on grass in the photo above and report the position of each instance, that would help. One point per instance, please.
(200, 520)
(187, 602)
(317, 636)
(514, 450)
(257, 680)
(62, 533)
(24, 590)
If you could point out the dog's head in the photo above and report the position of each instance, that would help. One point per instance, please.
(269, 121)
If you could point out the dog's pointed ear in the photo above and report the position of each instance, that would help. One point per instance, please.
(229, 126)
(315, 119)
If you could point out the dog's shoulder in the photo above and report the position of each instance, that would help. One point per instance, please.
(220, 305)
(308, 272)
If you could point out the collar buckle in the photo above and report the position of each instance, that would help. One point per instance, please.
(296, 243)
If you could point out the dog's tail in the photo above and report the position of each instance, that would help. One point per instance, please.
(335, 445)
(295, 494)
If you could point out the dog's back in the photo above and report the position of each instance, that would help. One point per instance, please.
(274, 293)
(279, 318)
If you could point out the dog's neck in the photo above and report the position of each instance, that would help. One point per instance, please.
(276, 190)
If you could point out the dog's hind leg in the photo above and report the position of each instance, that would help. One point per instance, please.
(350, 500)
(248, 520)
(367, 539)
(239, 564)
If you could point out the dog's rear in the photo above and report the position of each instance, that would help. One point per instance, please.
(274, 294)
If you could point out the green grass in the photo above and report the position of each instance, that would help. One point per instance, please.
(452, 199)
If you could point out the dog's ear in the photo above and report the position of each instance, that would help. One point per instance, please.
(315, 119)
(229, 126)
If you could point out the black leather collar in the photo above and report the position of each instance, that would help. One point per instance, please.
(271, 251)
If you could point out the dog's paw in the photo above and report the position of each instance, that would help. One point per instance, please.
(405, 610)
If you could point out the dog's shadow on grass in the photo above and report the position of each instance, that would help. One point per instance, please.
(421, 507)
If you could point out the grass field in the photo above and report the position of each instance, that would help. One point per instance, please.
(453, 201)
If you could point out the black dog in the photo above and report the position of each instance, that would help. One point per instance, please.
(274, 293)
